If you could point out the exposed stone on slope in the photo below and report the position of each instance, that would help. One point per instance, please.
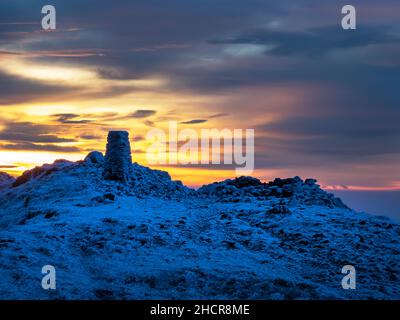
(147, 181)
(293, 190)
(5, 180)
(279, 209)
(41, 171)
(95, 157)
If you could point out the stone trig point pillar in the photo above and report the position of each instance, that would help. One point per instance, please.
(118, 159)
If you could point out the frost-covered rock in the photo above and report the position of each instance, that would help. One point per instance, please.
(41, 171)
(95, 157)
(147, 181)
(118, 159)
(5, 180)
(295, 190)
(279, 209)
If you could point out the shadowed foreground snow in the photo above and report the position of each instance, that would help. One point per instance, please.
(153, 238)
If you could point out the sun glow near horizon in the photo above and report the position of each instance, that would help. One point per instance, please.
(59, 100)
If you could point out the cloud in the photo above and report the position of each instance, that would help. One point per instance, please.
(83, 121)
(90, 137)
(73, 118)
(44, 138)
(71, 53)
(315, 41)
(195, 121)
(68, 118)
(161, 47)
(149, 123)
(38, 147)
(321, 143)
(14, 89)
(9, 53)
(142, 113)
(218, 115)
(65, 116)
(137, 138)
(198, 121)
(31, 132)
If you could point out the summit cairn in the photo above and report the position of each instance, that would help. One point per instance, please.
(118, 159)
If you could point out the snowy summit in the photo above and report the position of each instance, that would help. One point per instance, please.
(114, 229)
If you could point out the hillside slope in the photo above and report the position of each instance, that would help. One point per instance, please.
(154, 238)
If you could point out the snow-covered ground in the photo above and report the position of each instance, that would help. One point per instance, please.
(153, 238)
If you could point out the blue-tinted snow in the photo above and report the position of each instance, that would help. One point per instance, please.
(156, 239)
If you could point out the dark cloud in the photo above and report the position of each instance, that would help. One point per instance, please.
(90, 137)
(69, 118)
(314, 41)
(149, 123)
(340, 126)
(14, 89)
(8, 166)
(128, 40)
(9, 53)
(83, 121)
(65, 116)
(18, 90)
(167, 46)
(195, 121)
(72, 53)
(137, 138)
(322, 144)
(38, 147)
(218, 115)
(142, 113)
(44, 138)
(73, 118)
(31, 132)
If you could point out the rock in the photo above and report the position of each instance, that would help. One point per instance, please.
(229, 244)
(105, 198)
(94, 157)
(109, 196)
(243, 181)
(118, 159)
(294, 190)
(42, 171)
(275, 190)
(310, 182)
(5, 180)
(279, 209)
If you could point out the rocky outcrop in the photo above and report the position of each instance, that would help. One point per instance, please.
(5, 180)
(118, 159)
(291, 191)
(42, 171)
(95, 158)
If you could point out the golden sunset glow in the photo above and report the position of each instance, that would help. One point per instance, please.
(63, 90)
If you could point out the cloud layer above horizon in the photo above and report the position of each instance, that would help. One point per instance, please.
(324, 102)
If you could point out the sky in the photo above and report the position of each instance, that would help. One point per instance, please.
(324, 102)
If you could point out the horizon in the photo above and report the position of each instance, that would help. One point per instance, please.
(339, 188)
